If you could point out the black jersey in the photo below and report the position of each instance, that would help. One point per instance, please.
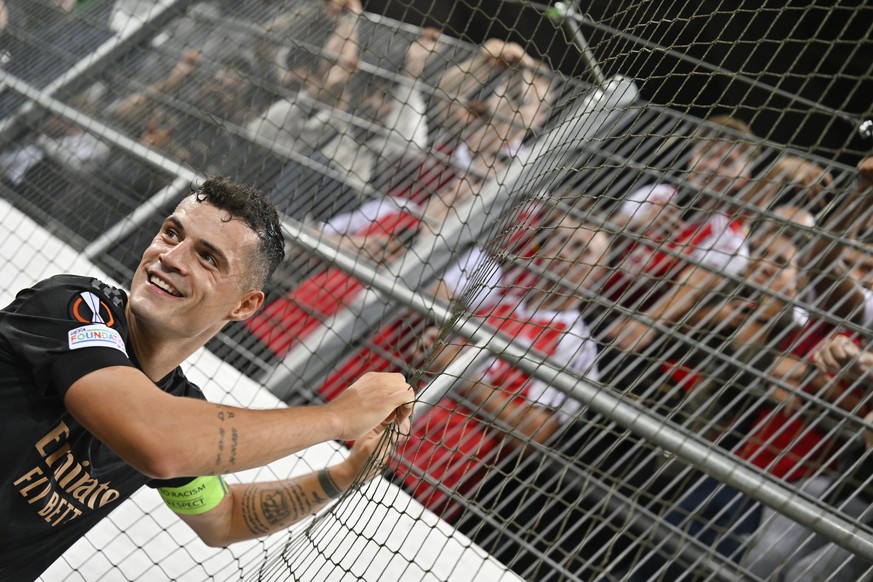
(56, 479)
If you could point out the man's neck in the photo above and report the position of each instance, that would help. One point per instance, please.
(158, 357)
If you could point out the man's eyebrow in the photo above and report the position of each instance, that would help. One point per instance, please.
(214, 250)
(219, 254)
(175, 222)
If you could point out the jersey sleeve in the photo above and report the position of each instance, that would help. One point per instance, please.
(63, 329)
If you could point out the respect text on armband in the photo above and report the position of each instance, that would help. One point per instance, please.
(199, 496)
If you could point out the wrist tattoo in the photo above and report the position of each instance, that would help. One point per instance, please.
(328, 484)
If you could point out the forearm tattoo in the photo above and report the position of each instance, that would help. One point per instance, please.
(225, 431)
(266, 509)
(328, 484)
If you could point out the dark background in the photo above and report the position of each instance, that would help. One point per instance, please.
(801, 73)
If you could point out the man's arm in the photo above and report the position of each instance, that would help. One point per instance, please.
(692, 286)
(164, 436)
(130, 109)
(253, 510)
(341, 50)
(789, 171)
(837, 291)
(529, 420)
(461, 80)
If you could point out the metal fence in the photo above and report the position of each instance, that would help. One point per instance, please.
(610, 305)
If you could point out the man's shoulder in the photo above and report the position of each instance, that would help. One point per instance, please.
(82, 281)
(113, 293)
(59, 304)
(85, 294)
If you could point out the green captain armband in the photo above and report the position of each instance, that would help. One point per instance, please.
(198, 496)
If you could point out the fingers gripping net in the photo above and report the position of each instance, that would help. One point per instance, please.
(605, 247)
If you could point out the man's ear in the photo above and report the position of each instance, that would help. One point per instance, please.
(248, 305)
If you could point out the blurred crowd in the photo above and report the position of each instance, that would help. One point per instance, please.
(731, 293)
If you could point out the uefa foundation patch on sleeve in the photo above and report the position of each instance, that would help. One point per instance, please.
(96, 336)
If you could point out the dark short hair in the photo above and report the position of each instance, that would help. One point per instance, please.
(248, 204)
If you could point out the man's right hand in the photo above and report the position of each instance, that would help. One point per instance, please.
(373, 399)
(504, 54)
(840, 356)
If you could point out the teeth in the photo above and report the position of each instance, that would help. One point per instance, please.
(165, 286)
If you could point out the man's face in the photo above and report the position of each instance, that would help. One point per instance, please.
(719, 167)
(191, 277)
(773, 264)
(573, 253)
(860, 263)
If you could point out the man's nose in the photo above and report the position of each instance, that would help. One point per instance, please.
(174, 257)
(768, 270)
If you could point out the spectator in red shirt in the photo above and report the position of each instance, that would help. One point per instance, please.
(749, 322)
(720, 170)
(457, 447)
